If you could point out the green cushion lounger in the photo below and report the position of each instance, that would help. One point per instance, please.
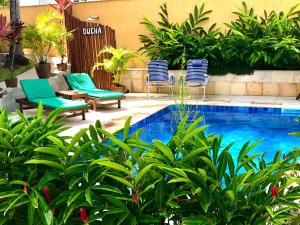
(39, 90)
(83, 83)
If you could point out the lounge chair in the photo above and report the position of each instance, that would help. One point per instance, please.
(39, 90)
(158, 75)
(83, 83)
(196, 74)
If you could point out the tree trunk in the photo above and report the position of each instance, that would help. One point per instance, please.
(14, 9)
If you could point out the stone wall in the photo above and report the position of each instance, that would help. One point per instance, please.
(261, 83)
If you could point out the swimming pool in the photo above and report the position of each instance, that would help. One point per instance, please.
(236, 124)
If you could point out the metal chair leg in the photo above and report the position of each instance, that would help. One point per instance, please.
(203, 94)
(148, 92)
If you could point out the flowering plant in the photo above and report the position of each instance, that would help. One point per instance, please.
(11, 32)
(96, 178)
(61, 5)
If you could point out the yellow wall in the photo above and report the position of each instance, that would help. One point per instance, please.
(125, 15)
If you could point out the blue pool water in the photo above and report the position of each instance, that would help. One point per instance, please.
(236, 124)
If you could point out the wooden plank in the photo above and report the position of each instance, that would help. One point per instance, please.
(83, 49)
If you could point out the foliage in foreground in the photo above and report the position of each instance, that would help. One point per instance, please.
(270, 41)
(95, 178)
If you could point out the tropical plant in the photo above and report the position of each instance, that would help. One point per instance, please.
(116, 64)
(61, 6)
(98, 177)
(19, 138)
(270, 41)
(60, 42)
(11, 32)
(170, 40)
(43, 35)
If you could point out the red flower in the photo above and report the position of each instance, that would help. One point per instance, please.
(25, 189)
(275, 191)
(47, 194)
(83, 215)
(136, 198)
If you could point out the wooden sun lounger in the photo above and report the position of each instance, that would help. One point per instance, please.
(96, 102)
(25, 104)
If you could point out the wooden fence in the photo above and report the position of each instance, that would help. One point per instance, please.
(89, 39)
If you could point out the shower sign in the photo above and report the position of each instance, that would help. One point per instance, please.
(91, 31)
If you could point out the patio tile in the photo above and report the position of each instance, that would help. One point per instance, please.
(244, 99)
(264, 100)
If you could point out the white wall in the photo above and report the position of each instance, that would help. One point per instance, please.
(45, 2)
(33, 2)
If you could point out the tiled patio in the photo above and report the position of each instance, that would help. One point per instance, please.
(138, 106)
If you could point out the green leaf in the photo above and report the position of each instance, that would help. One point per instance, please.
(116, 202)
(179, 180)
(143, 172)
(51, 151)
(88, 196)
(68, 211)
(30, 214)
(81, 150)
(188, 136)
(121, 144)
(44, 162)
(76, 138)
(56, 141)
(93, 133)
(14, 202)
(8, 194)
(209, 163)
(160, 195)
(74, 196)
(107, 188)
(113, 165)
(164, 149)
(3, 182)
(194, 153)
(121, 180)
(126, 128)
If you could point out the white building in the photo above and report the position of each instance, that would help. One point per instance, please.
(44, 2)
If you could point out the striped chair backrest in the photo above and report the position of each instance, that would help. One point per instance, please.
(196, 70)
(158, 70)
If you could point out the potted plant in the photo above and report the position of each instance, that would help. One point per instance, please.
(115, 65)
(11, 32)
(62, 6)
(60, 46)
(40, 37)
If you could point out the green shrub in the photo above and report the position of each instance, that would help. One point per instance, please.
(170, 41)
(96, 178)
(253, 42)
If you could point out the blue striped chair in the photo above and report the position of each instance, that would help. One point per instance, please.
(196, 74)
(158, 75)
